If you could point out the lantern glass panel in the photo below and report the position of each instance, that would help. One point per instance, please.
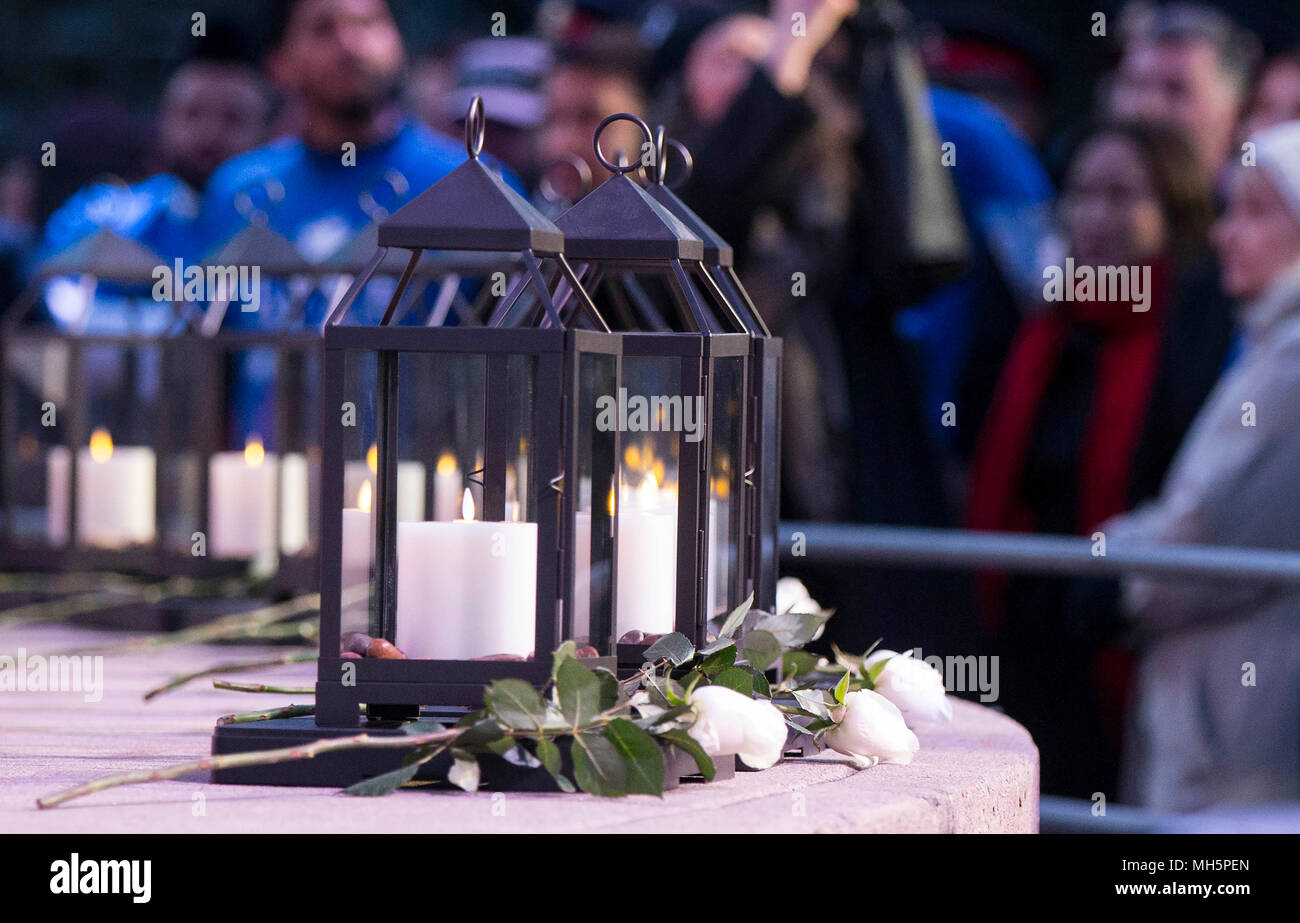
(36, 377)
(726, 454)
(650, 407)
(357, 436)
(592, 613)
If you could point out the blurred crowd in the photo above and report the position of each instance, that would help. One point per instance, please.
(894, 196)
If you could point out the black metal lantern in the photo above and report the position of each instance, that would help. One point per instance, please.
(83, 428)
(762, 477)
(683, 408)
(481, 543)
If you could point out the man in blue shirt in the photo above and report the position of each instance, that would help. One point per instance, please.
(354, 155)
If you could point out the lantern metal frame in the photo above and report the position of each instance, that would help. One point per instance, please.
(102, 257)
(396, 689)
(618, 230)
(762, 478)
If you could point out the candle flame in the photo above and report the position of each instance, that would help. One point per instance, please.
(609, 501)
(657, 472)
(254, 452)
(372, 458)
(101, 445)
(364, 496)
(467, 506)
(446, 463)
(632, 458)
(721, 487)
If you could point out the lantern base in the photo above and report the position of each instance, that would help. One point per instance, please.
(344, 767)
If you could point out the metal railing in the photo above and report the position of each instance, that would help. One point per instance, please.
(909, 546)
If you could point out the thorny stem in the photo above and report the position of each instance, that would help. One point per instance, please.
(262, 687)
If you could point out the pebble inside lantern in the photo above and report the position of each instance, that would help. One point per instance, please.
(683, 409)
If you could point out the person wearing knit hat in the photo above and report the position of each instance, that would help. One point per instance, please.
(1217, 711)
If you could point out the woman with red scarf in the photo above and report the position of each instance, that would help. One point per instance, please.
(1095, 394)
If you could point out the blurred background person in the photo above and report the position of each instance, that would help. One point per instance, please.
(1187, 65)
(595, 74)
(1216, 718)
(1087, 413)
(215, 105)
(1276, 95)
(339, 64)
(507, 72)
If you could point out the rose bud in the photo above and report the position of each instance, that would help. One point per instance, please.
(870, 729)
(727, 722)
(585, 652)
(631, 637)
(913, 685)
(357, 642)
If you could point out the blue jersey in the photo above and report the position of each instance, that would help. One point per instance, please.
(312, 198)
(158, 212)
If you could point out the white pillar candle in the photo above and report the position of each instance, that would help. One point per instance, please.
(647, 560)
(58, 478)
(115, 493)
(410, 484)
(719, 559)
(466, 589)
(447, 488)
(241, 502)
(295, 492)
(355, 569)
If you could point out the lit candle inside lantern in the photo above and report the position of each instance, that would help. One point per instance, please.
(356, 562)
(241, 502)
(466, 588)
(115, 493)
(647, 560)
(447, 486)
(410, 483)
(719, 550)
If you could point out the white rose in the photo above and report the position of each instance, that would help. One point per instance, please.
(871, 729)
(727, 722)
(792, 596)
(913, 685)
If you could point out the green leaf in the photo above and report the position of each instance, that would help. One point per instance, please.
(798, 663)
(675, 646)
(664, 691)
(644, 759)
(762, 649)
(464, 772)
(483, 733)
(719, 660)
(736, 678)
(761, 686)
(579, 691)
(813, 701)
(873, 673)
(611, 690)
(792, 629)
(549, 754)
(598, 766)
(515, 703)
(716, 645)
(684, 741)
(422, 726)
(842, 687)
(562, 653)
(736, 618)
(692, 680)
(389, 781)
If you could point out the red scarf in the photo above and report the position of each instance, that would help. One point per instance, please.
(1123, 380)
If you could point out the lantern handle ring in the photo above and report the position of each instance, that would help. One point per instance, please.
(660, 170)
(475, 123)
(619, 117)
